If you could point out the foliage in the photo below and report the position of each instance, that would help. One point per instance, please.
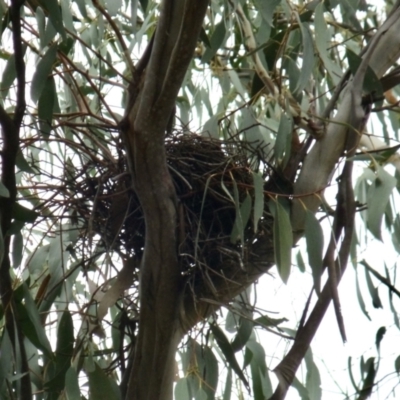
(209, 162)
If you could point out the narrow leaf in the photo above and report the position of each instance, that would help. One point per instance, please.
(379, 336)
(24, 214)
(55, 15)
(243, 334)
(377, 199)
(308, 57)
(45, 106)
(182, 390)
(360, 299)
(315, 247)
(397, 365)
(313, 378)
(30, 322)
(283, 241)
(373, 291)
(242, 218)
(228, 384)
(43, 70)
(228, 352)
(283, 137)
(72, 384)
(258, 199)
(101, 387)
(17, 247)
(216, 41)
(262, 388)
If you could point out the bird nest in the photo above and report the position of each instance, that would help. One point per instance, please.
(212, 179)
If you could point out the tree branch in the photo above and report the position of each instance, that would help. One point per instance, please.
(381, 52)
(286, 370)
(10, 133)
(153, 99)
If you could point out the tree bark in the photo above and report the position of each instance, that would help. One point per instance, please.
(153, 96)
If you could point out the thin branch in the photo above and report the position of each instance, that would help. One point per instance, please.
(117, 32)
(382, 279)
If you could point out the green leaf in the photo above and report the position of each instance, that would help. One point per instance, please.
(360, 299)
(231, 322)
(266, 9)
(377, 199)
(31, 324)
(182, 390)
(4, 191)
(55, 15)
(371, 82)
(72, 385)
(379, 336)
(6, 358)
(308, 57)
(46, 106)
(243, 334)
(9, 74)
(17, 247)
(315, 247)
(216, 41)
(303, 392)
(283, 142)
(63, 353)
(204, 38)
(397, 365)
(43, 70)
(376, 301)
(22, 164)
(368, 383)
(113, 6)
(323, 41)
(392, 307)
(209, 372)
(211, 127)
(262, 388)
(313, 378)
(101, 387)
(283, 241)
(242, 216)
(258, 211)
(228, 352)
(300, 262)
(228, 385)
(82, 7)
(24, 214)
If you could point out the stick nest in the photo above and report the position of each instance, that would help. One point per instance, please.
(210, 175)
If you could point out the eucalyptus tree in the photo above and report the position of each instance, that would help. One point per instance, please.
(158, 158)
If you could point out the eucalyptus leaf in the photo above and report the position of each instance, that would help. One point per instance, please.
(43, 70)
(101, 387)
(283, 241)
(228, 352)
(378, 197)
(308, 57)
(315, 247)
(55, 15)
(258, 209)
(182, 390)
(216, 41)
